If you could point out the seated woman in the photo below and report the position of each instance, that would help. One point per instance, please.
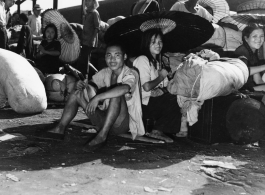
(253, 39)
(47, 58)
(157, 103)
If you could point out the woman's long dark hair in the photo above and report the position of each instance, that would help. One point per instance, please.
(145, 45)
(51, 25)
(246, 33)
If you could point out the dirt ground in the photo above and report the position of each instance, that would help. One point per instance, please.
(31, 166)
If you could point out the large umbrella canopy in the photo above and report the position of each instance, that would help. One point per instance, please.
(220, 8)
(182, 31)
(243, 20)
(70, 43)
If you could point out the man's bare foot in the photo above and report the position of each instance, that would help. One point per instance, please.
(96, 143)
(100, 138)
(57, 129)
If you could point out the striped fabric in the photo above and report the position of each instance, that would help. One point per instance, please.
(220, 8)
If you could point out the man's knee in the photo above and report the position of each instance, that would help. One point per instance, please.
(116, 100)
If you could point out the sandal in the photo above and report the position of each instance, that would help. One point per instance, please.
(182, 134)
(159, 135)
(50, 136)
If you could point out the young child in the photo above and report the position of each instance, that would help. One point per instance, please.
(49, 51)
(90, 32)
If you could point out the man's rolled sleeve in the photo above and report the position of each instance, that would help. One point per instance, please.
(131, 80)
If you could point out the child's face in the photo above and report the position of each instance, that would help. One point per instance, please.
(50, 34)
(89, 4)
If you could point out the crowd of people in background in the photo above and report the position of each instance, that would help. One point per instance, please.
(119, 108)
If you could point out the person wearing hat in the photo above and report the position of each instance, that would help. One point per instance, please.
(35, 21)
(4, 5)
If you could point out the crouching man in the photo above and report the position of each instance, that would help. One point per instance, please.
(117, 110)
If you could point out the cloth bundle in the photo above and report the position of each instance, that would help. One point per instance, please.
(59, 86)
(197, 80)
(20, 84)
(224, 37)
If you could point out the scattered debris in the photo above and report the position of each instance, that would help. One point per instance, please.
(219, 164)
(147, 189)
(212, 173)
(68, 185)
(90, 130)
(20, 151)
(253, 145)
(12, 177)
(165, 189)
(11, 137)
(163, 180)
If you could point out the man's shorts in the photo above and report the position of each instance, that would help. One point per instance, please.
(98, 119)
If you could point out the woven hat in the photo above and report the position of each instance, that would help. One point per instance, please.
(182, 31)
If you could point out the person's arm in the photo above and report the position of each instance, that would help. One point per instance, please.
(55, 52)
(144, 68)
(47, 52)
(117, 91)
(84, 7)
(257, 78)
(148, 86)
(29, 21)
(256, 69)
(97, 25)
(21, 40)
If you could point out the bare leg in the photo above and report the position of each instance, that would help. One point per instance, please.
(69, 113)
(116, 113)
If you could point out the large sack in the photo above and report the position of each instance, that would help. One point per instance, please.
(20, 84)
(59, 86)
(197, 80)
(233, 39)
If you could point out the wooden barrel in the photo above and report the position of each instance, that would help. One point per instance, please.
(245, 120)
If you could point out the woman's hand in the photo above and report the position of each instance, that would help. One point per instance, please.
(156, 92)
(80, 85)
(162, 73)
(41, 49)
